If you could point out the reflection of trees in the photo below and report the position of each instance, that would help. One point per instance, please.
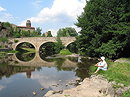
(59, 62)
(7, 70)
(47, 49)
(25, 56)
(83, 69)
(73, 59)
(72, 47)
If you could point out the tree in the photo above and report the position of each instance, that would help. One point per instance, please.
(105, 28)
(38, 31)
(58, 45)
(49, 34)
(65, 32)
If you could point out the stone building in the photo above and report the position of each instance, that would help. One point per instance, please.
(27, 27)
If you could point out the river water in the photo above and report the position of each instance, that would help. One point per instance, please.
(21, 75)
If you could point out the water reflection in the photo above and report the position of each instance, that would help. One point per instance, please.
(28, 56)
(51, 73)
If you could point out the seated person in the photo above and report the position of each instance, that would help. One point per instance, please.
(101, 65)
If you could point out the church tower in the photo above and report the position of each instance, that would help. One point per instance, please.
(28, 23)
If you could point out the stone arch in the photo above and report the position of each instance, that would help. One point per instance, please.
(23, 42)
(43, 53)
(69, 43)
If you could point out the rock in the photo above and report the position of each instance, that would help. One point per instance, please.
(49, 93)
(95, 86)
(54, 92)
(41, 88)
(34, 93)
(78, 79)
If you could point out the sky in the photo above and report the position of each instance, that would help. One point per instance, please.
(49, 15)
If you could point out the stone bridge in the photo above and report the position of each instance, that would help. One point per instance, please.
(38, 62)
(38, 41)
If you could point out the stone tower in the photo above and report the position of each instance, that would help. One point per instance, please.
(28, 23)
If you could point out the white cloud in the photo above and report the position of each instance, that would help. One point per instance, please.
(56, 13)
(37, 3)
(2, 9)
(7, 17)
(70, 8)
(1, 87)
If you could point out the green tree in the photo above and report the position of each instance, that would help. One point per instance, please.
(65, 32)
(38, 31)
(58, 45)
(105, 28)
(49, 34)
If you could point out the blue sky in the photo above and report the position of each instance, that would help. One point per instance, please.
(46, 14)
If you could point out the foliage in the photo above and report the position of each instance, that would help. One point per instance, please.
(58, 45)
(65, 32)
(38, 31)
(105, 28)
(47, 49)
(126, 94)
(3, 39)
(49, 34)
(29, 49)
(72, 47)
(65, 52)
(16, 41)
(17, 33)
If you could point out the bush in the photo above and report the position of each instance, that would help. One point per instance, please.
(16, 41)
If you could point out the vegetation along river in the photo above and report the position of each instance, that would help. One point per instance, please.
(23, 74)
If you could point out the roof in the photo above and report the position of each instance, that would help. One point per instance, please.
(25, 27)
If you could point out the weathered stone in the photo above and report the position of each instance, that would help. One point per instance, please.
(38, 41)
(96, 86)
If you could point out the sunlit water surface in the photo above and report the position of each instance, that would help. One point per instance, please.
(20, 77)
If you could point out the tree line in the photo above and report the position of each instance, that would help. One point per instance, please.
(105, 28)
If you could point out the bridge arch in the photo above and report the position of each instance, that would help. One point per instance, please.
(38, 41)
(20, 43)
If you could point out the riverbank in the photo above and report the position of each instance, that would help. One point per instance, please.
(113, 83)
(95, 86)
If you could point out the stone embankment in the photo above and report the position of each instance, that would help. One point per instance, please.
(95, 86)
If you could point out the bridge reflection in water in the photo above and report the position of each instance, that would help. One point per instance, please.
(38, 62)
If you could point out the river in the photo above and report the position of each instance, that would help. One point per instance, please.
(21, 75)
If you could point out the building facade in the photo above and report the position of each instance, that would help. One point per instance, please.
(27, 27)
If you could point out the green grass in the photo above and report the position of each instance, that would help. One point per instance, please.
(12, 51)
(118, 72)
(125, 59)
(126, 94)
(29, 49)
(65, 52)
(2, 54)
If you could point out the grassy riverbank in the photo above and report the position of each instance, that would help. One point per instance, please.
(118, 72)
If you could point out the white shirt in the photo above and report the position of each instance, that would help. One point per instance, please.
(103, 64)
